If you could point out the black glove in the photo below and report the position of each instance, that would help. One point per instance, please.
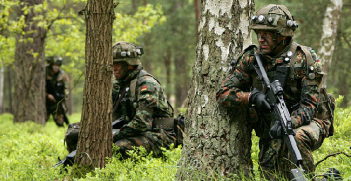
(259, 99)
(306, 116)
(276, 131)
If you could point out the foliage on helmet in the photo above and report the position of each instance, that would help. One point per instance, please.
(126, 52)
(276, 18)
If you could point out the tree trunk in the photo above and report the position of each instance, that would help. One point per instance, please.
(197, 17)
(181, 80)
(330, 24)
(95, 136)
(70, 95)
(29, 95)
(9, 88)
(216, 143)
(167, 63)
(1, 87)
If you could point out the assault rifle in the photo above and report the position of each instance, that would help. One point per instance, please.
(50, 89)
(279, 112)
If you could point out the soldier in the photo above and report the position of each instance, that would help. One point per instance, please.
(56, 90)
(142, 114)
(274, 27)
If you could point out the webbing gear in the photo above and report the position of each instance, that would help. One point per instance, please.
(280, 113)
(133, 84)
(160, 122)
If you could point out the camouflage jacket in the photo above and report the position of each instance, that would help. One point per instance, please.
(58, 80)
(139, 112)
(301, 92)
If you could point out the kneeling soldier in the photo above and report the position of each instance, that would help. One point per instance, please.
(141, 113)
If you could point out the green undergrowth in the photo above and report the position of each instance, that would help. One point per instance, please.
(29, 151)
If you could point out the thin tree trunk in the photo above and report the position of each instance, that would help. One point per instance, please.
(216, 143)
(1, 87)
(70, 96)
(330, 24)
(197, 17)
(181, 80)
(29, 95)
(167, 62)
(95, 136)
(9, 87)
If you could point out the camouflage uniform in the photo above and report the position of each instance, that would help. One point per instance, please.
(301, 94)
(139, 113)
(58, 82)
(144, 108)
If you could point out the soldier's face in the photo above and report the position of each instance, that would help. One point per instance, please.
(55, 68)
(120, 70)
(266, 41)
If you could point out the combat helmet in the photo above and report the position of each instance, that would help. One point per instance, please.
(275, 18)
(126, 52)
(54, 60)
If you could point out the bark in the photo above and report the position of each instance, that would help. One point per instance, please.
(216, 144)
(1, 87)
(29, 95)
(330, 24)
(95, 136)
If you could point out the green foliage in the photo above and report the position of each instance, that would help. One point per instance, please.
(130, 27)
(30, 151)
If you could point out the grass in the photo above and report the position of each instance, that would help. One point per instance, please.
(29, 152)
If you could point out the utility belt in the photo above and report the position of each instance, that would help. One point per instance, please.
(163, 123)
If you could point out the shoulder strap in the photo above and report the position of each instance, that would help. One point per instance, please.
(119, 99)
(306, 51)
(134, 82)
(246, 49)
(308, 54)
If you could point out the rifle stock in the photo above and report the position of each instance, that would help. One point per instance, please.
(280, 112)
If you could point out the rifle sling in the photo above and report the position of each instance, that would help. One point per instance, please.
(119, 99)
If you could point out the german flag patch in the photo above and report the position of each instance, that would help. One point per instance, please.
(144, 88)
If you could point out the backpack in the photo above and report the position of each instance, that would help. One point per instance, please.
(71, 136)
(325, 110)
(326, 103)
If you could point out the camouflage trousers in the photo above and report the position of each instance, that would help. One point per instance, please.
(151, 141)
(274, 158)
(57, 114)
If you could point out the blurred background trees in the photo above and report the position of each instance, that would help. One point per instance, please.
(166, 29)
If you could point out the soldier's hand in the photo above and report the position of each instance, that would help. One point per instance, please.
(276, 131)
(51, 98)
(260, 100)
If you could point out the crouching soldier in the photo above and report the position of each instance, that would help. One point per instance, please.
(141, 113)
